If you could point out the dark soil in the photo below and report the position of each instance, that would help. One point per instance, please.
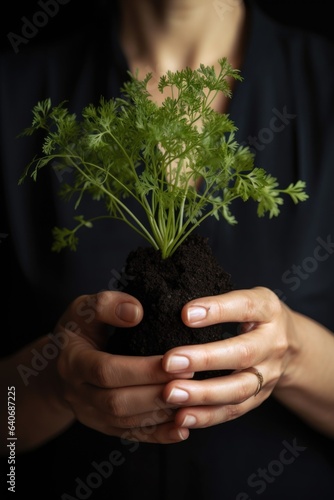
(163, 286)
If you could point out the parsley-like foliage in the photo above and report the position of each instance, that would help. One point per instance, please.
(157, 154)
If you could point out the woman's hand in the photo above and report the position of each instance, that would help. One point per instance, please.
(66, 376)
(277, 350)
(116, 395)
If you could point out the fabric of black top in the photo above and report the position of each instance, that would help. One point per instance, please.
(284, 110)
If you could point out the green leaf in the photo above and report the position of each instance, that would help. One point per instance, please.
(130, 147)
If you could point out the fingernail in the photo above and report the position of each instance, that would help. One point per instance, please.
(179, 434)
(177, 363)
(186, 375)
(177, 396)
(127, 312)
(189, 421)
(196, 314)
(183, 434)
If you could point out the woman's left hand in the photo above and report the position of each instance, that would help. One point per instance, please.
(258, 357)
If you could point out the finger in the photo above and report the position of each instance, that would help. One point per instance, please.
(230, 389)
(101, 369)
(235, 401)
(153, 427)
(107, 307)
(244, 306)
(166, 433)
(161, 434)
(125, 406)
(235, 353)
(198, 417)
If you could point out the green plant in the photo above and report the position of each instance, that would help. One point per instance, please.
(132, 147)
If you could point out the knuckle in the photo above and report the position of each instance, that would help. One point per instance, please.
(206, 420)
(249, 308)
(220, 307)
(100, 373)
(232, 412)
(77, 306)
(68, 395)
(282, 345)
(247, 351)
(115, 406)
(270, 301)
(101, 299)
(242, 391)
(65, 370)
(205, 360)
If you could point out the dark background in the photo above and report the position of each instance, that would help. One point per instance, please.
(311, 15)
(74, 13)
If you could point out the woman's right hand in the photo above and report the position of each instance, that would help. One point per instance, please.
(113, 394)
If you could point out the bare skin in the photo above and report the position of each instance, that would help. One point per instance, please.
(293, 353)
(154, 399)
(116, 395)
(170, 35)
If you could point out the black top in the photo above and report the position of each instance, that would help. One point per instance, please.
(284, 109)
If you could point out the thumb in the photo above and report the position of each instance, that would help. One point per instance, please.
(118, 309)
(128, 313)
(92, 312)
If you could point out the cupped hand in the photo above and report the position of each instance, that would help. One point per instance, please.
(261, 351)
(113, 394)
